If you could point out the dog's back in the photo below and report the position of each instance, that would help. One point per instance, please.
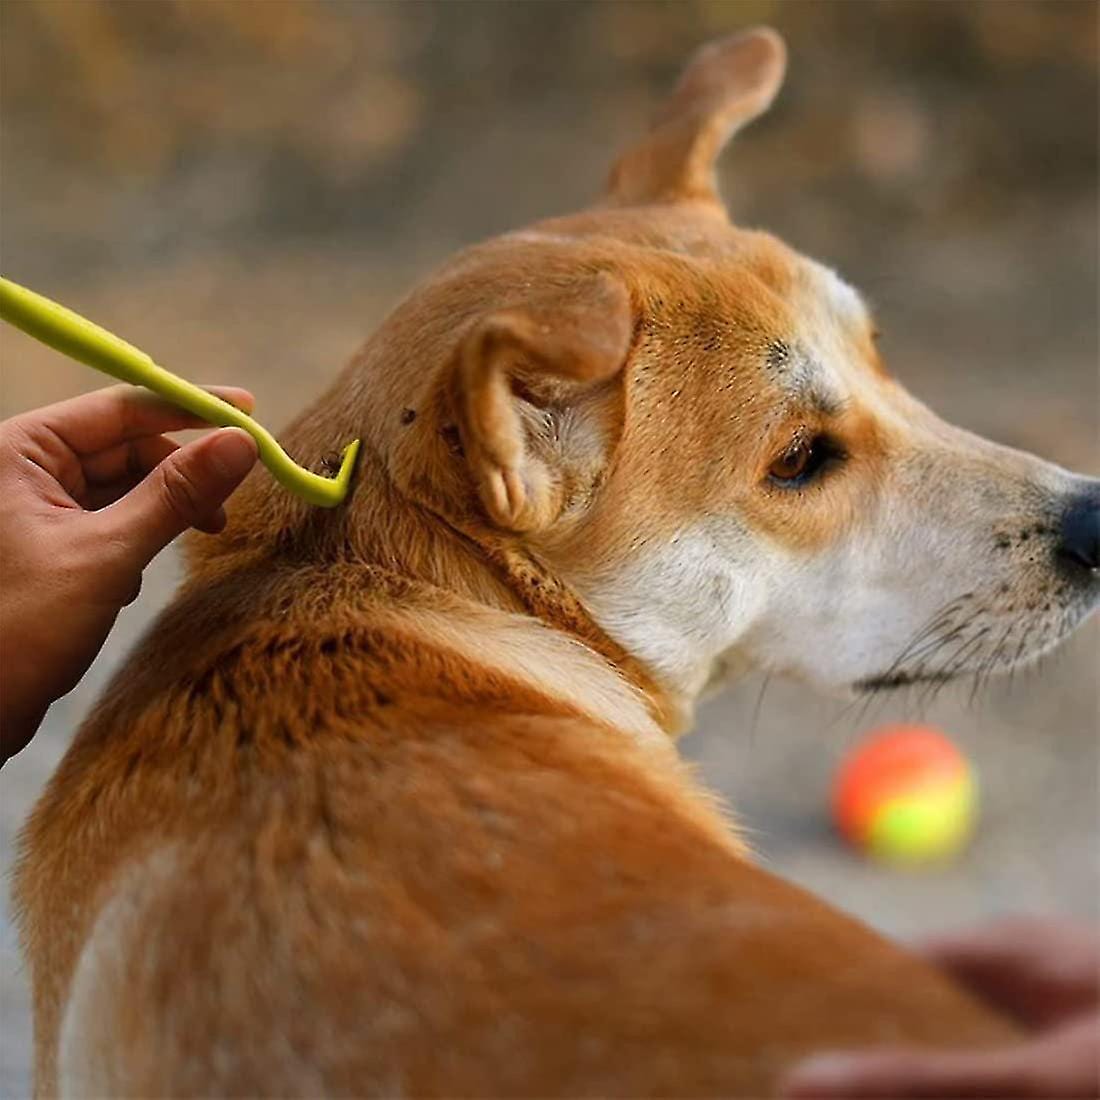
(305, 847)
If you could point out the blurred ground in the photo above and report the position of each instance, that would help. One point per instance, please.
(244, 189)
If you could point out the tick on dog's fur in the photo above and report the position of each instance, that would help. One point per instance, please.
(408, 416)
(453, 439)
(330, 463)
(779, 354)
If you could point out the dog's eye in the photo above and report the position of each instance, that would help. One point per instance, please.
(801, 461)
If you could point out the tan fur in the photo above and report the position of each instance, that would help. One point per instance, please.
(384, 804)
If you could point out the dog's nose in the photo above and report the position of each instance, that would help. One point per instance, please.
(1079, 546)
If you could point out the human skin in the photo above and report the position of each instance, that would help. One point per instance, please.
(1045, 973)
(93, 489)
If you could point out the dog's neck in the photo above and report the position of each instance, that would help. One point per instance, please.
(425, 536)
(413, 537)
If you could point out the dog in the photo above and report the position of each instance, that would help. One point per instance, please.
(387, 802)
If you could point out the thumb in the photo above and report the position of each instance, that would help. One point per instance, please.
(911, 1074)
(190, 484)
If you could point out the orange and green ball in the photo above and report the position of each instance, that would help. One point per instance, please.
(906, 795)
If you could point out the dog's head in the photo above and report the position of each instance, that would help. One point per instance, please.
(688, 425)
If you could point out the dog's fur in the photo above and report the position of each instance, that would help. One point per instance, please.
(386, 804)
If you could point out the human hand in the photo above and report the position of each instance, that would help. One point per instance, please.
(1045, 973)
(92, 491)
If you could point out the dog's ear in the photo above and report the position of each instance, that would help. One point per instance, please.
(724, 87)
(539, 400)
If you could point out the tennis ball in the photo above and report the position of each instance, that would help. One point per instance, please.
(905, 795)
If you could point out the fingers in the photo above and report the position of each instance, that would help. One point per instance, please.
(1017, 940)
(129, 461)
(100, 496)
(212, 524)
(906, 1075)
(185, 490)
(1039, 970)
(101, 420)
(1064, 1063)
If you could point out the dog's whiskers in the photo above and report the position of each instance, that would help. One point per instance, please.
(928, 638)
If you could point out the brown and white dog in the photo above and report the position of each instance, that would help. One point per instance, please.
(387, 804)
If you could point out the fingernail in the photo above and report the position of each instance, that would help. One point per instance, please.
(232, 453)
(242, 399)
(822, 1075)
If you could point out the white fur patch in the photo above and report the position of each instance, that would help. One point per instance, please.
(840, 296)
(90, 1061)
(544, 659)
(679, 608)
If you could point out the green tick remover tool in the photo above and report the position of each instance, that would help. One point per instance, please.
(72, 335)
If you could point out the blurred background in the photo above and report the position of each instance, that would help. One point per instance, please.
(244, 188)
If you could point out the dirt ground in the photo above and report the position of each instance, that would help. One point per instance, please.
(944, 162)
